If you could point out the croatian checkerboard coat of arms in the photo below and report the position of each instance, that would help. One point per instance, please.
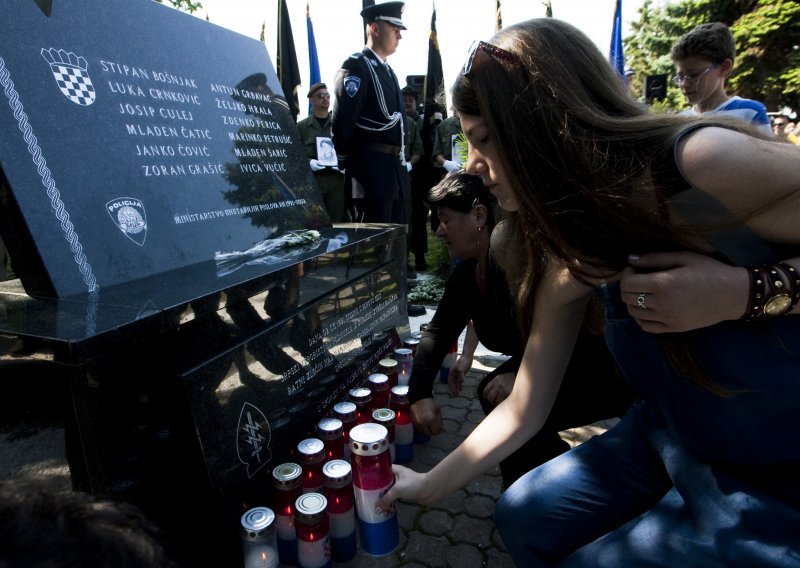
(71, 74)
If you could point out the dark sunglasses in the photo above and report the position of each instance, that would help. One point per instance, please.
(493, 50)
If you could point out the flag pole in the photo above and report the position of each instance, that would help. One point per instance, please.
(616, 56)
(313, 60)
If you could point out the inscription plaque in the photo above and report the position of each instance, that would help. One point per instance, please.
(139, 140)
(175, 256)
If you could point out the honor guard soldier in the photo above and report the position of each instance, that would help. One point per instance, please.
(315, 133)
(369, 122)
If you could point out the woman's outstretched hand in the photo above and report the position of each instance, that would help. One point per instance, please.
(408, 485)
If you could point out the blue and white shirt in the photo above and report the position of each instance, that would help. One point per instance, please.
(746, 109)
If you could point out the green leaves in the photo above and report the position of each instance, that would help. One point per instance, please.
(767, 35)
(185, 5)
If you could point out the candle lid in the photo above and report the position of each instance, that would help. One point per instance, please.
(287, 475)
(383, 415)
(378, 381)
(329, 428)
(369, 439)
(311, 450)
(257, 521)
(387, 363)
(403, 352)
(400, 390)
(360, 394)
(310, 505)
(346, 410)
(338, 473)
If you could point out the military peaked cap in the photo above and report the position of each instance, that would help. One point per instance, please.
(389, 12)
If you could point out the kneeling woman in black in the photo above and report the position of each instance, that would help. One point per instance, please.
(477, 291)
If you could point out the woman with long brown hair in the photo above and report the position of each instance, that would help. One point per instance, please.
(673, 222)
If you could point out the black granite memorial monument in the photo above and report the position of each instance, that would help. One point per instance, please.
(176, 261)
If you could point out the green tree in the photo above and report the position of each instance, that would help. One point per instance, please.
(768, 60)
(185, 5)
(767, 34)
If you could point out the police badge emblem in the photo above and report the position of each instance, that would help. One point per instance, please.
(351, 85)
(252, 439)
(71, 75)
(129, 216)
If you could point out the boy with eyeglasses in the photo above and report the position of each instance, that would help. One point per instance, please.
(703, 59)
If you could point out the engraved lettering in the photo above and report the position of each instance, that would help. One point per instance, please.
(125, 89)
(127, 70)
(136, 110)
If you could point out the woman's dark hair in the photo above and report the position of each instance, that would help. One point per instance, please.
(581, 156)
(461, 192)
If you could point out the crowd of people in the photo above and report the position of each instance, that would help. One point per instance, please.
(681, 226)
(647, 268)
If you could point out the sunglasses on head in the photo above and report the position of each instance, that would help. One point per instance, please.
(496, 52)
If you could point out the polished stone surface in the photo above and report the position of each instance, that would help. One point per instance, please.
(139, 140)
(171, 298)
(176, 263)
(193, 401)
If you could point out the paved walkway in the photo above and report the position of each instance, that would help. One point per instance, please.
(458, 531)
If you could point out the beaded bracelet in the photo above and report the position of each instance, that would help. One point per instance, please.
(773, 287)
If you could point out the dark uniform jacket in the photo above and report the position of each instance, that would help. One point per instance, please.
(369, 124)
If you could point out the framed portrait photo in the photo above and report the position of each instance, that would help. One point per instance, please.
(326, 155)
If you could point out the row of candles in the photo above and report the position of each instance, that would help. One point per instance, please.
(341, 474)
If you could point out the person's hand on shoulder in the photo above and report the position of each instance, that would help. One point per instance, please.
(680, 291)
(427, 417)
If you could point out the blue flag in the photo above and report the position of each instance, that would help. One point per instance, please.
(313, 60)
(615, 56)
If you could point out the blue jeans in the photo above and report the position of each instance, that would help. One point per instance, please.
(635, 497)
(579, 496)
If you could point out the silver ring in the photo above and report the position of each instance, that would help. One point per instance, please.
(640, 301)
